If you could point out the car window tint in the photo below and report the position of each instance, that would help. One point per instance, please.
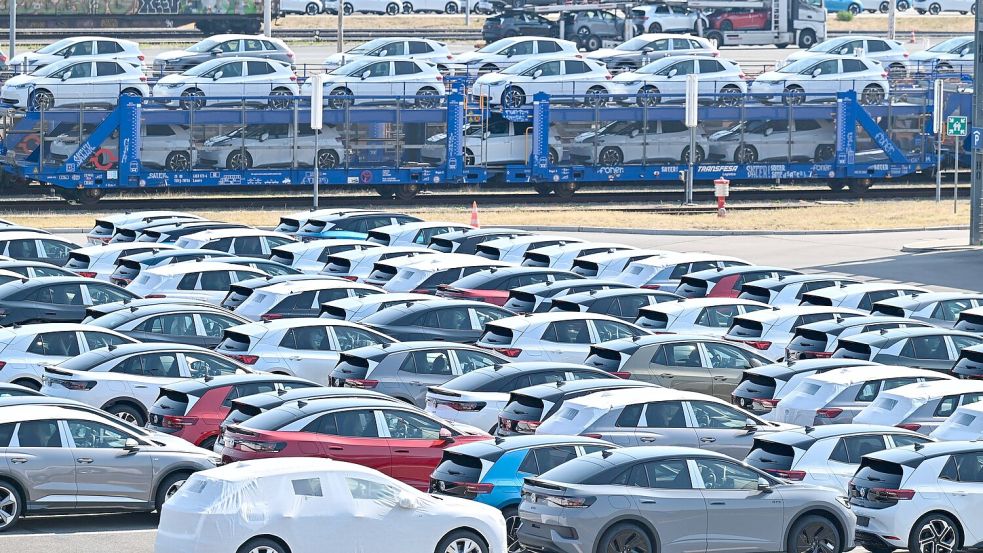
(672, 474)
(665, 414)
(962, 342)
(629, 416)
(486, 315)
(682, 355)
(182, 324)
(252, 45)
(356, 424)
(547, 46)
(929, 347)
(96, 340)
(108, 69)
(427, 362)
(969, 467)
(310, 487)
(456, 318)
(22, 249)
(568, 332)
(901, 440)
(91, 434)
(64, 344)
(255, 68)
(350, 338)
(851, 448)
(471, 360)
(310, 338)
(406, 68)
(404, 425)
(215, 280)
(202, 365)
(726, 356)
(725, 475)
(868, 391)
(39, 433)
(611, 330)
(6, 432)
(108, 47)
(717, 415)
(105, 293)
(54, 249)
(66, 294)
(548, 458)
(719, 316)
(853, 66)
(215, 325)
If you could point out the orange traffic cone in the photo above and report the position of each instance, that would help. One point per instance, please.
(474, 215)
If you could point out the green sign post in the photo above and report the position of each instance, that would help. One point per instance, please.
(956, 125)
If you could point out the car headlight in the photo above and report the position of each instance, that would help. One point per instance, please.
(495, 83)
(844, 500)
(630, 83)
(215, 460)
(19, 86)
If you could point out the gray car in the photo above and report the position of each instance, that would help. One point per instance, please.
(677, 500)
(405, 370)
(820, 339)
(924, 348)
(939, 308)
(644, 49)
(223, 46)
(591, 26)
(59, 460)
(188, 324)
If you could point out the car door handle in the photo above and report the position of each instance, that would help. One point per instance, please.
(416, 383)
(648, 502)
(294, 358)
(84, 460)
(401, 451)
(335, 448)
(720, 378)
(648, 439)
(140, 386)
(707, 440)
(18, 460)
(666, 375)
(718, 503)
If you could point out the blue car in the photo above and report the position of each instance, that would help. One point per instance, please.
(492, 472)
(350, 226)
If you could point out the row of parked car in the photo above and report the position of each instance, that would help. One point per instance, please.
(567, 385)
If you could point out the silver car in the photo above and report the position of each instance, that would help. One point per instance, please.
(676, 500)
(56, 459)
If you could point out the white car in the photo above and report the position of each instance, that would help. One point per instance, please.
(227, 81)
(647, 48)
(355, 508)
(819, 78)
(104, 48)
(497, 141)
(310, 257)
(412, 233)
(196, 280)
(356, 265)
(308, 7)
(99, 262)
(356, 309)
(274, 145)
(935, 7)
(513, 248)
(167, 146)
(564, 78)
(771, 330)
(621, 142)
(562, 256)
(421, 49)
(704, 316)
(952, 54)
(939, 308)
(719, 81)
(299, 298)
(835, 397)
(861, 296)
(921, 407)
(75, 81)
(291, 223)
(302, 347)
(761, 388)
(436, 6)
(107, 226)
(558, 336)
(827, 455)
(610, 264)
(924, 499)
(965, 423)
(511, 50)
(26, 350)
(125, 380)
(890, 53)
(658, 18)
(788, 289)
(423, 274)
(243, 242)
(476, 398)
(763, 140)
(374, 81)
(663, 272)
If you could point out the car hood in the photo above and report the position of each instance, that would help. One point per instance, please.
(771, 77)
(472, 57)
(172, 79)
(492, 77)
(171, 55)
(924, 56)
(19, 80)
(608, 53)
(628, 76)
(341, 59)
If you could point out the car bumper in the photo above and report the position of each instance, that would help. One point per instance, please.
(537, 535)
(723, 150)
(881, 526)
(15, 97)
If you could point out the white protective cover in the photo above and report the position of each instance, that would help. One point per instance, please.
(314, 505)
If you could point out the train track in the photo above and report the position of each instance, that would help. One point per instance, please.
(665, 199)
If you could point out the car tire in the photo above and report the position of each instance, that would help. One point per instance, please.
(552, 158)
(726, 25)
(407, 7)
(128, 413)
(903, 5)
(406, 192)
(859, 186)
(312, 9)
(451, 8)
(593, 43)
(937, 532)
(565, 190)
(262, 545)
(872, 95)
(392, 8)
(610, 156)
(596, 96)
(730, 95)
(655, 28)
(814, 533)
(427, 98)
(169, 486)
(462, 540)
(327, 159)
(622, 533)
(698, 156)
(935, 9)
(837, 186)
(793, 95)
(279, 98)
(897, 71)
(746, 154)
(884, 7)
(648, 96)
(11, 505)
(347, 9)
(513, 97)
(340, 98)
(178, 161)
(192, 99)
(42, 100)
(511, 515)
(469, 158)
(238, 160)
(807, 39)
(716, 37)
(131, 92)
(855, 9)
(825, 152)
(584, 32)
(28, 383)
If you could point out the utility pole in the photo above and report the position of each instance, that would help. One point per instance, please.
(13, 28)
(341, 26)
(892, 12)
(976, 191)
(267, 17)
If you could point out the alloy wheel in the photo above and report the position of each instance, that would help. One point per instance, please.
(463, 545)
(128, 417)
(818, 537)
(627, 541)
(173, 489)
(937, 536)
(512, 532)
(8, 506)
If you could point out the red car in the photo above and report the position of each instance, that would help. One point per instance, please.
(396, 439)
(726, 282)
(493, 285)
(740, 20)
(194, 409)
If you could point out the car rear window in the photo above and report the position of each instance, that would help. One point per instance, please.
(172, 403)
(274, 419)
(520, 302)
(234, 341)
(745, 328)
(691, 287)
(652, 319)
(770, 456)
(523, 407)
(806, 339)
(350, 366)
(495, 334)
(585, 268)
(812, 299)
(849, 349)
(582, 470)
(603, 358)
(755, 293)
(458, 467)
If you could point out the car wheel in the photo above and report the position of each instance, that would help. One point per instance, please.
(347, 9)
(855, 9)
(626, 536)
(872, 95)
(280, 98)
(611, 156)
(542, 189)
(698, 155)
(746, 154)
(462, 541)
(814, 534)
(178, 161)
(427, 98)
(825, 152)
(655, 28)
(513, 97)
(935, 9)
(262, 545)
(552, 158)
(903, 5)
(592, 43)
(972, 9)
(793, 95)
(884, 7)
(807, 39)
(407, 7)
(327, 159)
(312, 9)
(468, 157)
(239, 160)
(716, 37)
(128, 414)
(170, 486)
(730, 95)
(451, 8)
(340, 98)
(11, 505)
(42, 100)
(596, 96)
(648, 96)
(392, 9)
(512, 522)
(132, 92)
(192, 99)
(935, 533)
(584, 32)
(726, 25)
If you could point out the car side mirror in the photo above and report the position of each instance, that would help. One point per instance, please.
(263, 137)
(131, 445)
(510, 52)
(757, 363)
(446, 435)
(647, 50)
(407, 501)
(383, 53)
(751, 425)
(672, 73)
(214, 51)
(537, 74)
(764, 486)
(217, 76)
(768, 131)
(634, 133)
(65, 76)
(486, 134)
(816, 72)
(366, 75)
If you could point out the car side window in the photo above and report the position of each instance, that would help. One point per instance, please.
(255, 68)
(370, 490)
(549, 69)
(229, 46)
(928, 347)
(891, 383)
(681, 355)
(215, 325)
(611, 330)
(629, 416)
(66, 294)
(427, 362)
(96, 340)
(853, 66)
(719, 316)
(660, 45)
(188, 281)
(309, 338)
(717, 415)
(455, 318)
(568, 332)
(22, 249)
(665, 414)
(726, 356)
(404, 425)
(39, 433)
(406, 68)
(962, 342)
(868, 391)
(719, 474)
(949, 310)
(108, 69)
(351, 424)
(680, 44)
(182, 324)
(710, 66)
(420, 47)
(851, 448)
(108, 47)
(91, 434)
(253, 45)
(901, 440)
(486, 315)
(470, 360)
(105, 293)
(966, 467)
(547, 46)
(352, 338)
(201, 365)
(63, 344)
(6, 433)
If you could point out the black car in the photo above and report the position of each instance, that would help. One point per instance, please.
(32, 269)
(538, 298)
(518, 23)
(189, 324)
(448, 320)
(35, 245)
(133, 231)
(623, 303)
(95, 311)
(169, 234)
(529, 407)
(493, 285)
(241, 290)
(466, 241)
(55, 299)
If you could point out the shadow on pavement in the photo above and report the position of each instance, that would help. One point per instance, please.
(84, 524)
(959, 269)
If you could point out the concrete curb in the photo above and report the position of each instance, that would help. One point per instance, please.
(915, 248)
(676, 232)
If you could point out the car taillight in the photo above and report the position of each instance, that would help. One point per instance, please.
(742, 76)
(821, 354)
(422, 291)
(173, 421)
(440, 78)
(352, 278)
(527, 426)
(910, 426)
(155, 296)
(622, 374)
(884, 75)
(763, 403)
(651, 286)
(246, 359)
(794, 475)
(716, 53)
(271, 316)
(569, 502)
(450, 57)
(595, 436)
(361, 383)
(465, 405)
(891, 494)
(78, 385)
(87, 274)
(3, 58)
(473, 487)
(259, 446)
(509, 352)
(2, 365)
(758, 344)
(906, 54)
(290, 54)
(293, 78)
(829, 413)
(143, 78)
(141, 57)
(609, 76)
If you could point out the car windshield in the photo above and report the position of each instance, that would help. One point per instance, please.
(51, 69)
(203, 46)
(497, 45)
(522, 66)
(951, 45)
(55, 46)
(369, 46)
(203, 68)
(829, 44)
(634, 44)
(657, 66)
(799, 66)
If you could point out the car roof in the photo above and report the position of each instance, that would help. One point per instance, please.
(167, 307)
(555, 389)
(399, 347)
(853, 375)
(785, 280)
(383, 250)
(194, 385)
(30, 329)
(614, 293)
(502, 370)
(450, 261)
(875, 337)
(185, 267)
(847, 322)
(323, 243)
(808, 434)
(8, 288)
(775, 313)
(932, 389)
(672, 258)
(540, 287)
(507, 241)
(435, 303)
(930, 297)
(720, 272)
(283, 396)
(414, 225)
(689, 304)
(28, 234)
(256, 469)
(299, 286)
(372, 299)
(17, 413)
(213, 234)
(252, 329)
(610, 399)
(466, 233)
(520, 321)
(575, 246)
(122, 247)
(498, 446)
(802, 365)
(860, 287)
(912, 456)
